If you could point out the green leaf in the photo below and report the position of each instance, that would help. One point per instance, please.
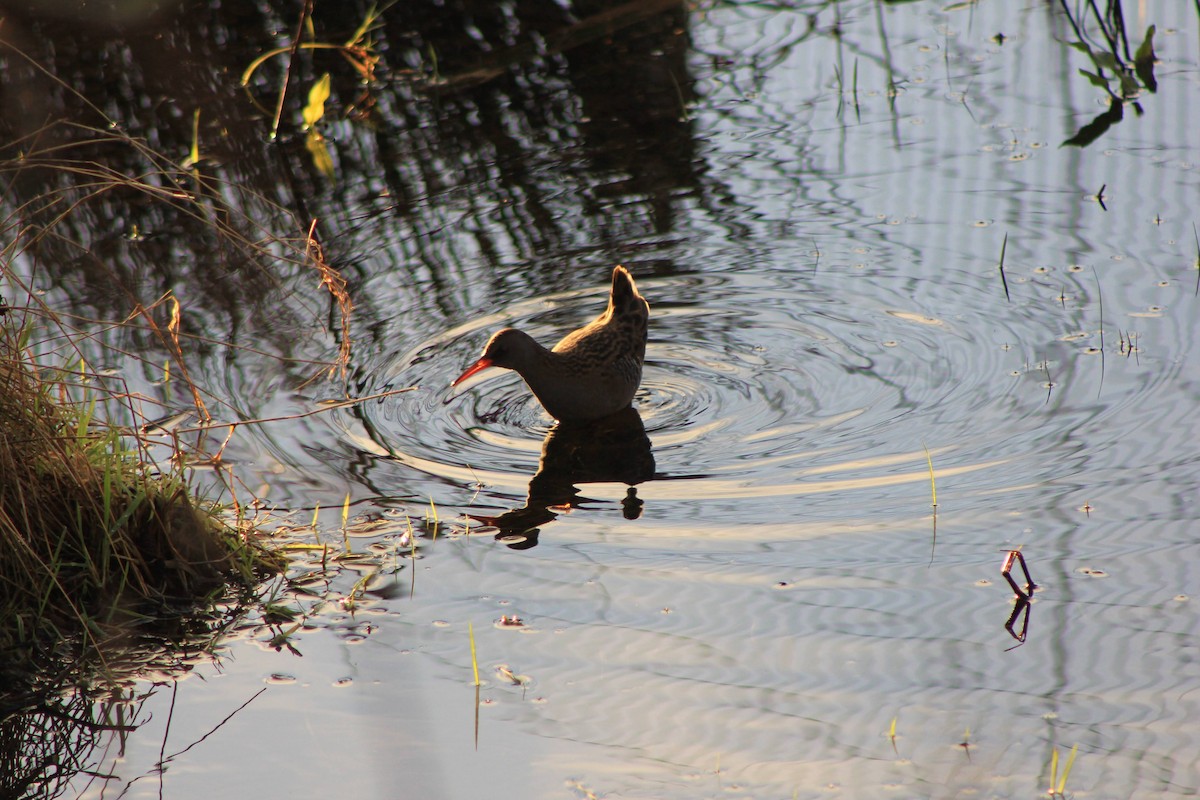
(193, 157)
(317, 96)
(1095, 79)
(1146, 51)
(1143, 61)
(319, 150)
(1129, 86)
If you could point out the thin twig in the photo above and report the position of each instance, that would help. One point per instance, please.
(331, 407)
(305, 11)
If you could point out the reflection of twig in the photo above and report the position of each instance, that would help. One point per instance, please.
(1021, 605)
(161, 766)
(215, 728)
(1197, 235)
(605, 23)
(1079, 32)
(1003, 279)
(129, 324)
(166, 734)
(1130, 73)
(886, 58)
(933, 488)
(477, 716)
(1100, 299)
(81, 722)
(933, 542)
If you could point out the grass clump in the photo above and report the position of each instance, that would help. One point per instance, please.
(92, 539)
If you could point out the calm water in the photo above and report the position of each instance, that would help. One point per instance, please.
(820, 255)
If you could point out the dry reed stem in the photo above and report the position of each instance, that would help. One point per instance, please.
(333, 281)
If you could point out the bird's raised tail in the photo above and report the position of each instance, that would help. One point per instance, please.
(624, 299)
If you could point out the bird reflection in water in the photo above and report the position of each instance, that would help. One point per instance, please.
(614, 449)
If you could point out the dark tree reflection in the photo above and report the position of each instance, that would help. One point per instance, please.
(506, 131)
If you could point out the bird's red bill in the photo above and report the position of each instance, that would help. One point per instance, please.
(478, 366)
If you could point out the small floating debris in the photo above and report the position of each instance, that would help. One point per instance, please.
(506, 674)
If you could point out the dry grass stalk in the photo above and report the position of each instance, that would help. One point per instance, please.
(88, 534)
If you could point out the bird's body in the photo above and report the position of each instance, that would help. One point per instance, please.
(593, 371)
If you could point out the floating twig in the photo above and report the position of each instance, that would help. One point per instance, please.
(1005, 570)
(332, 406)
(1024, 596)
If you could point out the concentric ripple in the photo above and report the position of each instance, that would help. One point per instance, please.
(755, 386)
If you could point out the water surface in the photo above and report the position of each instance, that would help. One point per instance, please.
(814, 201)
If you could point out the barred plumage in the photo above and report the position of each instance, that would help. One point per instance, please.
(593, 371)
